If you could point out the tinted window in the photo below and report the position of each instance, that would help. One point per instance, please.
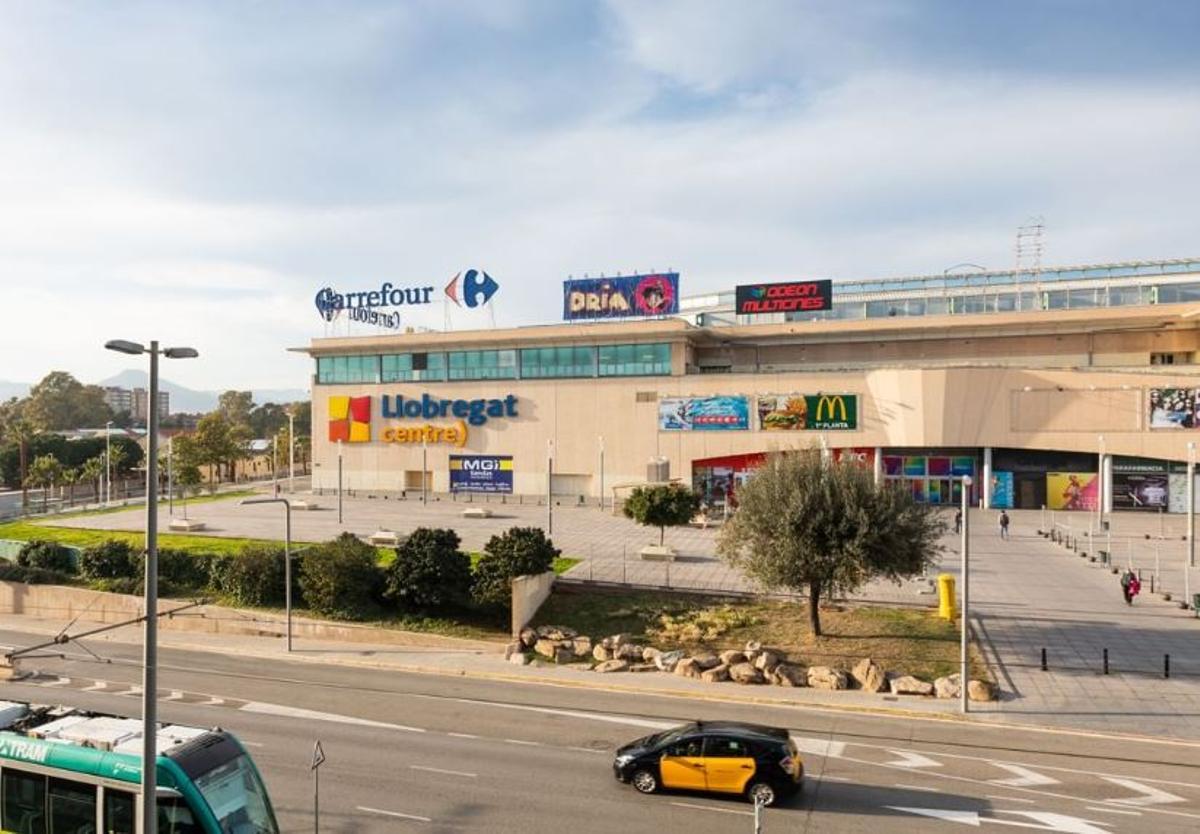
(724, 747)
(686, 747)
(175, 817)
(118, 812)
(24, 801)
(72, 807)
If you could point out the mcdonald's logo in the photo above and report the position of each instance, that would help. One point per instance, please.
(827, 407)
(832, 411)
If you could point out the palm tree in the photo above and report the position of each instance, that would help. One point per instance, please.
(92, 471)
(116, 459)
(22, 432)
(45, 473)
(70, 477)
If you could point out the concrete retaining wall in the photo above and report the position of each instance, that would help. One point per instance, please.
(56, 602)
(528, 594)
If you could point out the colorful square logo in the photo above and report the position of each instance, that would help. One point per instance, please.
(350, 419)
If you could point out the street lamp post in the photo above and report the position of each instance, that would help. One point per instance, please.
(1191, 524)
(291, 453)
(275, 464)
(150, 639)
(549, 487)
(1100, 484)
(287, 555)
(339, 482)
(171, 476)
(601, 473)
(964, 547)
(107, 458)
(424, 470)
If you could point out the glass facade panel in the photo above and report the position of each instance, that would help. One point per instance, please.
(1177, 293)
(347, 369)
(549, 362)
(635, 360)
(1056, 300)
(413, 367)
(1121, 296)
(1081, 299)
(483, 364)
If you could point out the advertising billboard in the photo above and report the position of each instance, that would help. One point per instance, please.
(783, 297)
(1141, 484)
(808, 412)
(1002, 490)
(481, 473)
(622, 297)
(1071, 490)
(704, 414)
(1173, 408)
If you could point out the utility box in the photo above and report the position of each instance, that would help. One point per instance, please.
(658, 470)
(946, 598)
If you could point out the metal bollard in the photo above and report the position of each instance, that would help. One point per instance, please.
(1166, 666)
(1106, 661)
(1044, 668)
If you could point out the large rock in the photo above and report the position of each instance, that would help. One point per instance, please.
(614, 641)
(554, 632)
(948, 687)
(688, 668)
(599, 652)
(707, 660)
(753, 646)
(981, 691)
(766, 661)
(519, 659)
(546, 647)
(529, 636)
(716, 674)
(732, 656)
(649, 653)
(870, 675)
(582, 646)
(908, 685)
(826, 677)
(629, 651)
(745, 673)
(642, 667)
(612, 666)
(667, 661)
(564, 654)
(788, 675)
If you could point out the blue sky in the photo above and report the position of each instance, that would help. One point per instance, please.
(196, 172)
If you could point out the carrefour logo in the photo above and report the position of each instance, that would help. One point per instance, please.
(474, 288)
(477, 288)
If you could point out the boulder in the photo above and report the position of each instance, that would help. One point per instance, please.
(870, 675)
(707, 660)
(649, 653)
(554, 632)
(948, 687)
(629, 651)
(981, 690)
(599, 652)
(908, 685)
(614, 641)
(753, 646)
(612, 666)
(546, 647)
(667, 661)
(745, 673)
(515, 647)
(786, 674)
(519, 659)
(688, 668)
(529, 636)
(564, 654)
(826, 677)
(642, 667)
(582, 646)
(732, 656)
(716, 674)
(766, 661)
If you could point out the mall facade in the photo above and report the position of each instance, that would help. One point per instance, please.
(1061, 388)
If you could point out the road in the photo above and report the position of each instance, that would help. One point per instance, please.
(440, 754)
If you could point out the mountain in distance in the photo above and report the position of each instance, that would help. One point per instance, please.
(187, 400)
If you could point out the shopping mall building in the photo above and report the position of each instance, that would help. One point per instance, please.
(1031, 383)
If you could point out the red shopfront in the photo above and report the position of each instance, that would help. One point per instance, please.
(717, 479)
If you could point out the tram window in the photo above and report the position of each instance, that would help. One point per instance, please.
(72, 807)
(24, 802)
(175, 817)
(118, 812)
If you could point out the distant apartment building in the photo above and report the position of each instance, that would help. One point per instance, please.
(136, 402)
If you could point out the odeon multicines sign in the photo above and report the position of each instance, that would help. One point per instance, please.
(350, 418)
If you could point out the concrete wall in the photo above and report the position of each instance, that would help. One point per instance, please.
(528, 594)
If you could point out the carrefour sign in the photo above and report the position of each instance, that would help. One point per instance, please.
(472, 288)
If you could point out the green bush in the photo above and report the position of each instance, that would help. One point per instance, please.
(339, 579)
(521, 551)
(12, 572)
(111, 559)
(252, 576)
(178, 570)
(46, 555)
(430, 572)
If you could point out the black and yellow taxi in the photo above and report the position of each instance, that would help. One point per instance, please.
(725, 757)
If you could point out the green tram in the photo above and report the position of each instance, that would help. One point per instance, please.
(71, 771)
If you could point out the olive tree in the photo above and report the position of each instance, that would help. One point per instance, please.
(662, 506)
(827, 528)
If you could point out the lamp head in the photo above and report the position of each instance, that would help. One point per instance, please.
(123, 346)
(967, 480)
(180, 353)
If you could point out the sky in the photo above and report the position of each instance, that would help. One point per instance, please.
(195, 172)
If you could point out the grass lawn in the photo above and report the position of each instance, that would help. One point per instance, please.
(25, 531)
(194, 499)
(911, 641)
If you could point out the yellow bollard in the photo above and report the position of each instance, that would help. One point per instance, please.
(946, 597)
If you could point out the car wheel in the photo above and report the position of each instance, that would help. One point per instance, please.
(644, 781)
(761, 793)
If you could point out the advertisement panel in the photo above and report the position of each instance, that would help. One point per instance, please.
(783, 297)
(860, 455)
(481, 473)
(808, 412)
(704, 414)
(1141, 491)
(1173, 408)
(623, 297)
(1002, 490)
(1071, 490)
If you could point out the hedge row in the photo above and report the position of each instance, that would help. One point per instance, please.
(339, 578)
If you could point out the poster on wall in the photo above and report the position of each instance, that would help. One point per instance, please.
(1002, 490)
(1149, 492)
(1173, 408)
(1071, 490)
(808, 412)
(481, 473)
(622, 297)
(704, 414)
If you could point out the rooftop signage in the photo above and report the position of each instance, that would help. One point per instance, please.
(474, 288)
(785, 297)
(621, 297)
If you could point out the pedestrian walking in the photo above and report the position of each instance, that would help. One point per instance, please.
(1003, 524)
(958, 520)
(1135, 586)
(1127, 579)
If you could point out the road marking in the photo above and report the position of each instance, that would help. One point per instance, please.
(462, 735)
(913, 760)
(1024, 778)
(525, 743)
(395, 814)
(1149, 795)
(1114, 811)
(96, 687)
(447, 772)
(214, 702)
(129, 693)
(1041, 820)
(917, 788)
(711, 808)
(1010, 799)
(58, 681)
(176, 695)
(250, 743)
(824, 778)
(260, 708)
(587, 750)
(819, 746)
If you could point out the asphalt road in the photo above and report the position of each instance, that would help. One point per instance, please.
(441, 754)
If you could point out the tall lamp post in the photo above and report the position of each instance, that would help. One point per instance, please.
(601, 473)
(150, 639)
(1191, 524)
(107, 458)
(287, 555)
(549, 487)
(965, 547)
(292, 452)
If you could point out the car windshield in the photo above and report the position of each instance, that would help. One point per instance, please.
(668, 736)
(237, 798)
